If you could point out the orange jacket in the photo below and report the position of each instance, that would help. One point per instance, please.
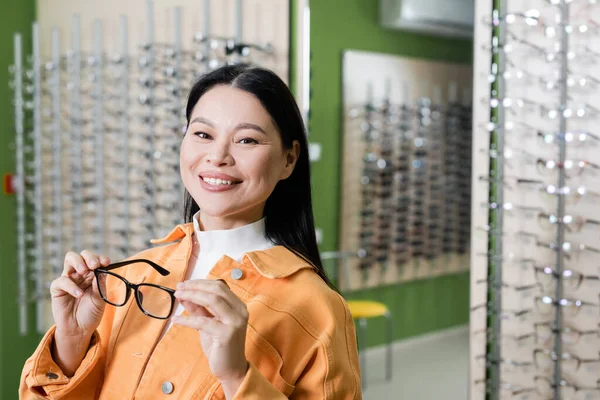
(300, 341)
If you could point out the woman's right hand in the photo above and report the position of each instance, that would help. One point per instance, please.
(77, 306)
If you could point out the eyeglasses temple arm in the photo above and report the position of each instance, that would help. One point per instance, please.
(120, 264)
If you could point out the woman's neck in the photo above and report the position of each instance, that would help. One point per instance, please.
(210, 223)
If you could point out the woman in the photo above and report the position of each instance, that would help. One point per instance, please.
(252, 316)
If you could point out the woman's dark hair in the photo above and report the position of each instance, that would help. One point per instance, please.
(288, 212)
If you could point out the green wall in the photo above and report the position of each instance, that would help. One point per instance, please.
(14, 349)
(338, 25)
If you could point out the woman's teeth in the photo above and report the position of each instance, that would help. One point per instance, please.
(214, 181)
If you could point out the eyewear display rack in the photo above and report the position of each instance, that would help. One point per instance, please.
(98, 134)
(535, 279)
(406, 170)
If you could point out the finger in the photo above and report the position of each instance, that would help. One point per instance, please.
(217, 287)
(104, 260)
(214, 303)
(224, 282)
(74, 262)
(76, 277)
(91, 259)
(204, 324)
(64, 286)
(195, 309)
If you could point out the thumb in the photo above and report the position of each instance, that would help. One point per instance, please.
(195, 309)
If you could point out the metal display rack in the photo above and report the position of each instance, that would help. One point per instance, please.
(408, 177)
(97, 139)
(534, 284)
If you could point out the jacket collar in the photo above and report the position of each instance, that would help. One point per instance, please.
(276, 262)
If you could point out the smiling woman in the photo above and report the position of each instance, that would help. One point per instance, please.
(237, 305)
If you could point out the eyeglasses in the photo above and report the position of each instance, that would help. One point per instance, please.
(580, 82)
(546, 305)
(571, 194)
(526, 290)
(572, 138)
(570, 222)
(153, 300)
(530, 17)
(572, 279)
(546, 331)
(583, 54)
(507, 365)
(568, 247)
(513, 390)
(505, 314)
(546, 386)
(491, 335)
(572, 167)
(544, 359)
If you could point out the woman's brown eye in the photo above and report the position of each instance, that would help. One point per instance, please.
(248, 141)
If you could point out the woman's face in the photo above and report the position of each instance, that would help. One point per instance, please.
(232, 157)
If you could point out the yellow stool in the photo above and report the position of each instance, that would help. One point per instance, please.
(362, 310)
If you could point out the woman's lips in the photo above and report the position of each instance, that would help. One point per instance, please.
(217, 185)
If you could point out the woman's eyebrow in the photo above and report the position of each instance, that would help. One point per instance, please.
(239, 127)
(247, 125)
(202, 120)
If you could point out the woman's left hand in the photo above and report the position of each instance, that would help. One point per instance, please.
(221, 318)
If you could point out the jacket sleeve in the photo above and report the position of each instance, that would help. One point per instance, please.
(332, 373)
(42, 378)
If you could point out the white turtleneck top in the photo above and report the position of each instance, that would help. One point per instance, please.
(209, 246)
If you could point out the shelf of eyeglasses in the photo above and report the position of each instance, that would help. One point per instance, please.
(547, 193)
(87, 96)
(537, 290)
(171, 125)
(523, 106)
(160, 51)
(542, 361)
(541, 49)
(400, 142)
(89, 204)
(401, 117)
(527, 240)
(573, 168)
(543, 333)
(414, 218)
(403, 247)
(572, 223)
(521, 129)
(578, 83)
(543, 388)
(430, 213)
(545, 282)
(543, 307)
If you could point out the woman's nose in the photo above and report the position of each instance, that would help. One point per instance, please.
(219, 155)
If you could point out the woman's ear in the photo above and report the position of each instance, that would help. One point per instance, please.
(291, 157)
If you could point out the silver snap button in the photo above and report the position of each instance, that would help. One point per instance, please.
(236, 274)
(167, 387)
